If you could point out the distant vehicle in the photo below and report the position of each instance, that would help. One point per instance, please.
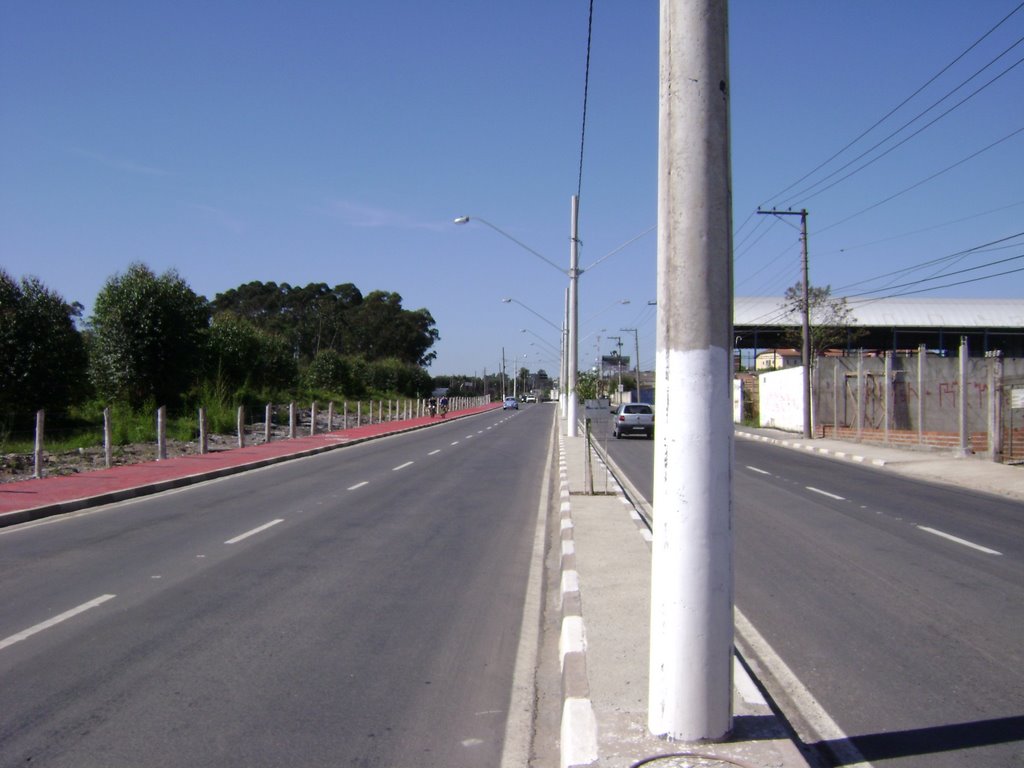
(633, 419)
(530, 399)
(510, 404)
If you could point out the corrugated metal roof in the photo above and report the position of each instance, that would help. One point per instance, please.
(764, 311)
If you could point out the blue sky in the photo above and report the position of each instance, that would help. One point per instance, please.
(335, 142)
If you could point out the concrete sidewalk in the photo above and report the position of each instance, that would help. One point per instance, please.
(606, 560)
(606, 565)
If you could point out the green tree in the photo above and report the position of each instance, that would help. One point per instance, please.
(42, 354)
(831, 319)
(331, 372)
(384, 329)
(394, 375)
(148, 337)
(316, 317)
(586, 386)
(239, 354)
(312, 319)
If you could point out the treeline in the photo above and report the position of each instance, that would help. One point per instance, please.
(151, 340)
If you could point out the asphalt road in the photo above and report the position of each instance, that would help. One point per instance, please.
(909, 641)
(362, 607)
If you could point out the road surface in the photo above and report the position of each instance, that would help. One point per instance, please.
(358, 608)
(897, 605)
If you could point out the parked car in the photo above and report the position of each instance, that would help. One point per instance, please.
(633, 419)
(510, 404)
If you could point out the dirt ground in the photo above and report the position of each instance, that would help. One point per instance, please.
(20, 466)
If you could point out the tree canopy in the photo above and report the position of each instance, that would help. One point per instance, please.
(151, 340)
(42, 356)
(148, 336)
(831, 319)
(317, 318)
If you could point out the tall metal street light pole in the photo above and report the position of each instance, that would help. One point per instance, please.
(571, 356)
(563, 373)
(540, 338)
(571, 428)
(618, 363)
(532, 311)
(636, 361)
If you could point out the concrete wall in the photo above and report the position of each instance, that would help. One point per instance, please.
(780, 399)
(920, 404)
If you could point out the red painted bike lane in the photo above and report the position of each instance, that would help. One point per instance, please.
(33, 499)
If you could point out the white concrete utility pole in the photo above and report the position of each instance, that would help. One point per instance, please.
(572, 405)
(690, 695)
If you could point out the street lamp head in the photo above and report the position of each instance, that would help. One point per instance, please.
(461, 220)
(506, 301)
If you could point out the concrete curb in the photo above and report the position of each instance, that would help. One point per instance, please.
(803, 446)
(153, 487)
(760, 737)
(579, 724)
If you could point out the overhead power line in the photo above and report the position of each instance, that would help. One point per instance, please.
(801, 195)
(947, 274)
(961, 220)
(957, 255)
(586, 88)
(923, 181)
(896, 108)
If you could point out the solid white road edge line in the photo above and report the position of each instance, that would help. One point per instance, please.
(519, 724)
(958, 540)
(54, 621)
(823, 726)
(254, 531)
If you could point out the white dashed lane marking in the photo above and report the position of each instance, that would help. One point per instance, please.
(824, 493)
(958, 540)
(254, 531)
(54, 621)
